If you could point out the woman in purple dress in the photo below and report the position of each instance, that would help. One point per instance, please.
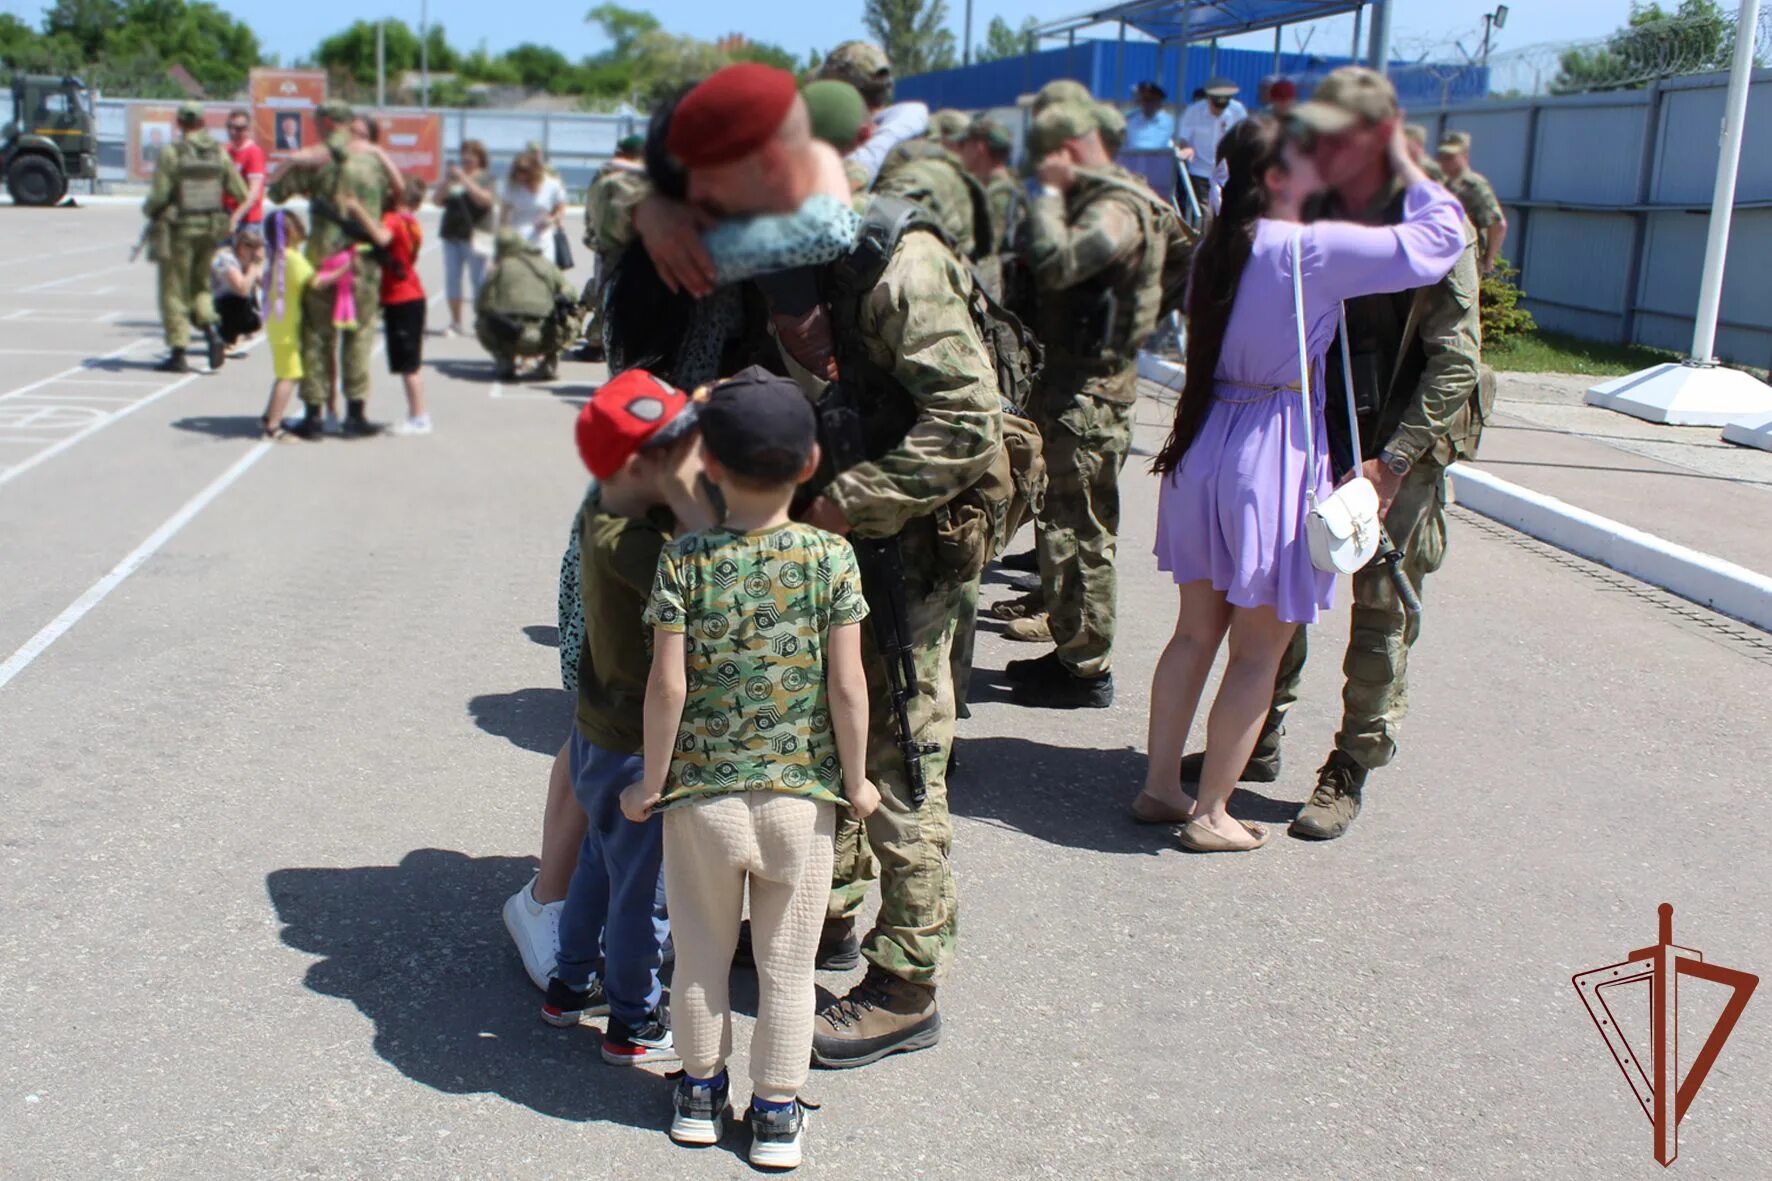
(1230, 522)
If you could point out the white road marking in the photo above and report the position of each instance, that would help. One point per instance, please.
(98, 591)
(58, 254)
(52, 284)
(90, 362)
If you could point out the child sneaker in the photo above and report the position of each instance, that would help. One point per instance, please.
(650, 1041)
(776, 1136)
(700, 1110)
(535, 929)
(566, 1006)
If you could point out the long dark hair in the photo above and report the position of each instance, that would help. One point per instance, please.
(1247, 151)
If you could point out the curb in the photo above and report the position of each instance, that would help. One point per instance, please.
(1703, 578)
(1707, 580)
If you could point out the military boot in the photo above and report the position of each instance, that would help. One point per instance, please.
(312, 426)
(1026, 562)
(357, 424)
(548, 370)
(1263, 765)
(1032, 603)
(1032, 629)
(1045, 683)
(881, 1015)
(838, 948)
(1335, 803)
(218, 352)
(175, 363)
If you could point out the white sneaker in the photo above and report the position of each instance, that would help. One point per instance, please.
(535, 929)
(413, 426)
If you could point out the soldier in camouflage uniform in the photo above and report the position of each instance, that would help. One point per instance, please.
(985, 152)
(189, 222)
(1416, 134)
(609, 228)
(1477, 195)
(526, 308)
(1418, 365)
(354, 170)
(867, 68)
(909, 329)
(1097, 249)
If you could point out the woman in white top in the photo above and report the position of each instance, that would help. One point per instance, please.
(534, 202)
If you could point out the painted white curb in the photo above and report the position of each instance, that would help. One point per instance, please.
(1707, 580)
(1160, 370)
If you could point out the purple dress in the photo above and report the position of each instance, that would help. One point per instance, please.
(1233, 511)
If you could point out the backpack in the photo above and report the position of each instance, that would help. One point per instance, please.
(201, 169)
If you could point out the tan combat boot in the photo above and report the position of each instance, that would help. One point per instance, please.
(1335, 803)
(1035, 629)
(1033, 603)
(881, 1015)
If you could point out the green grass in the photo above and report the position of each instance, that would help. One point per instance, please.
(1555, 352)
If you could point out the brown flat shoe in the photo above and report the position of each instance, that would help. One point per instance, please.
(1197, 838)
(1148, 809)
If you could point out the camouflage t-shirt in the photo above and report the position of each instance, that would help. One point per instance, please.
(756, 610)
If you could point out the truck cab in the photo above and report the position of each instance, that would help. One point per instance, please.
(49, 140)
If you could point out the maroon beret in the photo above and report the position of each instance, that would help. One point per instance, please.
(730, 115)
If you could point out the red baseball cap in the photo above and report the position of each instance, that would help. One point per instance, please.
(628, 414)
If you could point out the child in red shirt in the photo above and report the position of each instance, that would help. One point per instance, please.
(399, 237)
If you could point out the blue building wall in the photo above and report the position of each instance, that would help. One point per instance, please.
(1111, 69)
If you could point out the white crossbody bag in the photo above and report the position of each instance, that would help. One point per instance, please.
(1342, 528)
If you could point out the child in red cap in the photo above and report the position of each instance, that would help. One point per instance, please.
(637, 437)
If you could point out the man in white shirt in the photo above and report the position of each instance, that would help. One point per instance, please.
(1151, 128)
(867, 68)
(1203, 124)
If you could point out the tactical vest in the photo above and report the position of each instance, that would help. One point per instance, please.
(1384, 340)
(982, 243)
(970, 528)
(1101, 321)
(521, 286)
(202, 168)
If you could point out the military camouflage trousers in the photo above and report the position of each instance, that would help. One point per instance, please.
(528, 336)
(1375, 696)
(905, 849)
(964, 644)
(1085, 440)
(322, 341)
(185, 297)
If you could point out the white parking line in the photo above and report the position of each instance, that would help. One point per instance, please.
(52, 284)
(90, 362)
(58, 254)
(97, 592)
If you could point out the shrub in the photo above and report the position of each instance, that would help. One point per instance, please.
(1503, 317)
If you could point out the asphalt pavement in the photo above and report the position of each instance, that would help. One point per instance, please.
(275, 725)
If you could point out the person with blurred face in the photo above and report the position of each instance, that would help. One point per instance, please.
(1477, 195)
(1282, 98)
(1150, 128)
(249, 160)
(1203, 125)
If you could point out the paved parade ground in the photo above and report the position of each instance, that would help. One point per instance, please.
(275, 728)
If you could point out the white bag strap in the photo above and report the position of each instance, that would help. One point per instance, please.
(1304, 373)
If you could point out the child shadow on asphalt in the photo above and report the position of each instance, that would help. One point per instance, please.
(534, 719)
(419, 949)
(1071, 796)
(222, 426)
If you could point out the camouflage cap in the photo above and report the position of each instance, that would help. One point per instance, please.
(190, 112)
(1416, 134)
(336, 109)
(1349, 96)
(1112, 125)
(857, 63)
(1454, 142)
(1061, 90)
(949, 125)
(992, 133)
(1057, 125)
(838, 112)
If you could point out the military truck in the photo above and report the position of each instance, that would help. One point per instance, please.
(50, 139)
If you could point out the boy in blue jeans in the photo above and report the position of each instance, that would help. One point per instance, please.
(637, 437)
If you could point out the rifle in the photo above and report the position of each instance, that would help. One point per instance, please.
(146, 241)
(841, 435)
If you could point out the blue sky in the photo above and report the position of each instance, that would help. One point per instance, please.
(293, 29)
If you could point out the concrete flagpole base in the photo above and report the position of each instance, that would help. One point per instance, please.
(1750, 432)
(1686, 394)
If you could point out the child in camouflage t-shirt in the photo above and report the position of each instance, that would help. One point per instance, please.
(756, 732)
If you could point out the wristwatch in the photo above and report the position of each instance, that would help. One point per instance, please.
(1399, 464)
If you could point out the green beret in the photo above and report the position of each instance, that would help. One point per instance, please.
(1064, 90)
(838, 112)
(630, 145)
(992, 133)
(1058, 124)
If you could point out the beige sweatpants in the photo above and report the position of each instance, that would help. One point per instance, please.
(782, 846)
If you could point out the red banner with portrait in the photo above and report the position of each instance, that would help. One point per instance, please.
(283, 103)
(415, 141)
(151, 126)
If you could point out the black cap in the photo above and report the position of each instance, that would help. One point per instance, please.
(759, 426)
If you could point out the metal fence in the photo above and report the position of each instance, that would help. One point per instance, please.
(577, 144)
(1608, 202)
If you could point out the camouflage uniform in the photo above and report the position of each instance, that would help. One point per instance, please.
(1094, 250)
(518, 312)
(914, 327)
(1002, 191)
(1432, 422)
(1477, 195)
(609, 228)
(185, 206)
(357, 174)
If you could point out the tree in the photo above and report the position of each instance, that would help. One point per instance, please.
(623, 26)
(351, 54)
(1001, 41)
(1655, 44)
(914, 34)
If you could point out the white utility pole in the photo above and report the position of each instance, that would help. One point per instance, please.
(381, 64)
(1698, 391)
